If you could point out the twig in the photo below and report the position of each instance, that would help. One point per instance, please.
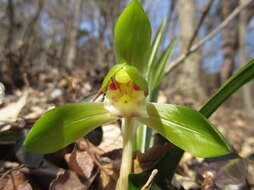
(31, 25)
(96, 96)
(208, 37)
(200, 22)
(150, 180)
(11, 170)
(170, 14)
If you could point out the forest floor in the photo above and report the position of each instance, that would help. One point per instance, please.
(89, 166)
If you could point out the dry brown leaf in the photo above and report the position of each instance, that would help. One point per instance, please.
(83, 144)
(36, 112)
(108, 177)
(80, 162)
(15, 180)
(225, 170)
(66, 181)
(208, 182)
(147, 160)
(10, 112)
(112, 138)
(110, 166)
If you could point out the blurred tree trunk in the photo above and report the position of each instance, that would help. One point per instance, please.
(188, 81)
(29, 37)
(109, 12)
(73, 32)
(10, 73)
(19, 39)
(247, 95)
(229, 40)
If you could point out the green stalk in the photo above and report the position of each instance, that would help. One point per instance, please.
(128, 128)
(144, 138)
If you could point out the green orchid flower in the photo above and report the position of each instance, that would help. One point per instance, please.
(126, 92)
(126, 98)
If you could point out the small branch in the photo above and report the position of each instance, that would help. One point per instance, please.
(11, 170)
(96, 96)
(28, 36)
(150, 180)
(31, 25)
(170, 13)
(208, 37)
(200, 22)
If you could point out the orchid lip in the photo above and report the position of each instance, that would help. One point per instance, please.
(124, 98)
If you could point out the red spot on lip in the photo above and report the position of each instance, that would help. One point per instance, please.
(134, 115)
(113, 86)
(136, 87)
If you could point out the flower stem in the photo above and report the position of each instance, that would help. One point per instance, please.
(128, 129)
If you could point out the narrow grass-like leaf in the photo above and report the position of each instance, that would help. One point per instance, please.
(132, 36)
(244, 75)
(63, 125)
(157, 70)
(141, 137)
(156, 44)
(187, 129)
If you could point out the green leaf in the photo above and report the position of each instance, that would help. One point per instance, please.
(157, 70)
(142, 136)
(156, 43)
(244, 75)
(187, 129)
(63, 125)
(132, 36)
